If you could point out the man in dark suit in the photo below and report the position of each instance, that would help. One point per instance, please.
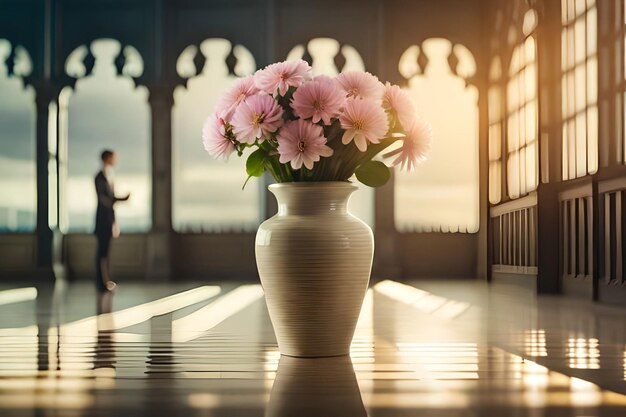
(106, 228)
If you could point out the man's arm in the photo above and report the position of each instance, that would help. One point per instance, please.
(125, 198)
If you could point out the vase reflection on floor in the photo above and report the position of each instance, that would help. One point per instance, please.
(315, 387)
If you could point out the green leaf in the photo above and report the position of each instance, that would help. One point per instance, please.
(255, 165)
(373, 173)
(245, 182)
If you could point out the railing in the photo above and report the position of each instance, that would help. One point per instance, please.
(612, 211)
(514, 236)
(576, 214)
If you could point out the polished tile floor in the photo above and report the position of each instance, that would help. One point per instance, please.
(432, 349)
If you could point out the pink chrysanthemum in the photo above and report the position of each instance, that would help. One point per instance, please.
(360, 84)
(399, 104)
(277, 78)
(255, 117)
(415, 146)
(240, 90)
(364, 121)
(215, 137)
(302, 142)
(317, 100)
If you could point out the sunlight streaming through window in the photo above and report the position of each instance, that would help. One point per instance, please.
(579, 88)
(522, 120)
(17, 143)
(442, 194)
(495, 132)
(206, 192)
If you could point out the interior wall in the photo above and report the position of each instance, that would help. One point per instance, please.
(18, 256)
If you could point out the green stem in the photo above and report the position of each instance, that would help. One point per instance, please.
(270, 169)
(286, 171)
(359, 158)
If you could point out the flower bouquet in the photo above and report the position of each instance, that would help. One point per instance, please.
(307, 128)
(312, 134)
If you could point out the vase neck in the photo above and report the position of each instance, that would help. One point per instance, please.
(312, 198)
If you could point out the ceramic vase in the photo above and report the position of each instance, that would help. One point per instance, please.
(314, 260)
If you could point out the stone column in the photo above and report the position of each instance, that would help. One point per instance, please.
(386, 238)
(386, 262)
(548, 218)
(159, 265)
(483, 261)
(44, 95)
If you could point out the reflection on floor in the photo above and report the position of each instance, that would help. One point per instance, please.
(427, 349)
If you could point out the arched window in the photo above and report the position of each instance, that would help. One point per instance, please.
(495, 131)
(329, 57)
(442, 194)
(522, 116)
(106, 110)
(17, 141)
(207, 193)
(579, 88)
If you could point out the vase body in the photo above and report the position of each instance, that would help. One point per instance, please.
(314, 260)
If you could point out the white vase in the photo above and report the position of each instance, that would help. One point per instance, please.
(314, 260)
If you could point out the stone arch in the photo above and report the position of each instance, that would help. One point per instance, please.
(437, 198)
(207, 193)
(328, 56)
(105, 108)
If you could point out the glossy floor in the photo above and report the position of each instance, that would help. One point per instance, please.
(425, 349)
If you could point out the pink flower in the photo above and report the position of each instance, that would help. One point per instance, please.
(415, 145)
(399, 104)
(360, 84)
(215, 137)
(319, 99)
(323, 77)
(278, 77)
(363, 120)
(301, 142)
(256, 117)
(240, 90)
